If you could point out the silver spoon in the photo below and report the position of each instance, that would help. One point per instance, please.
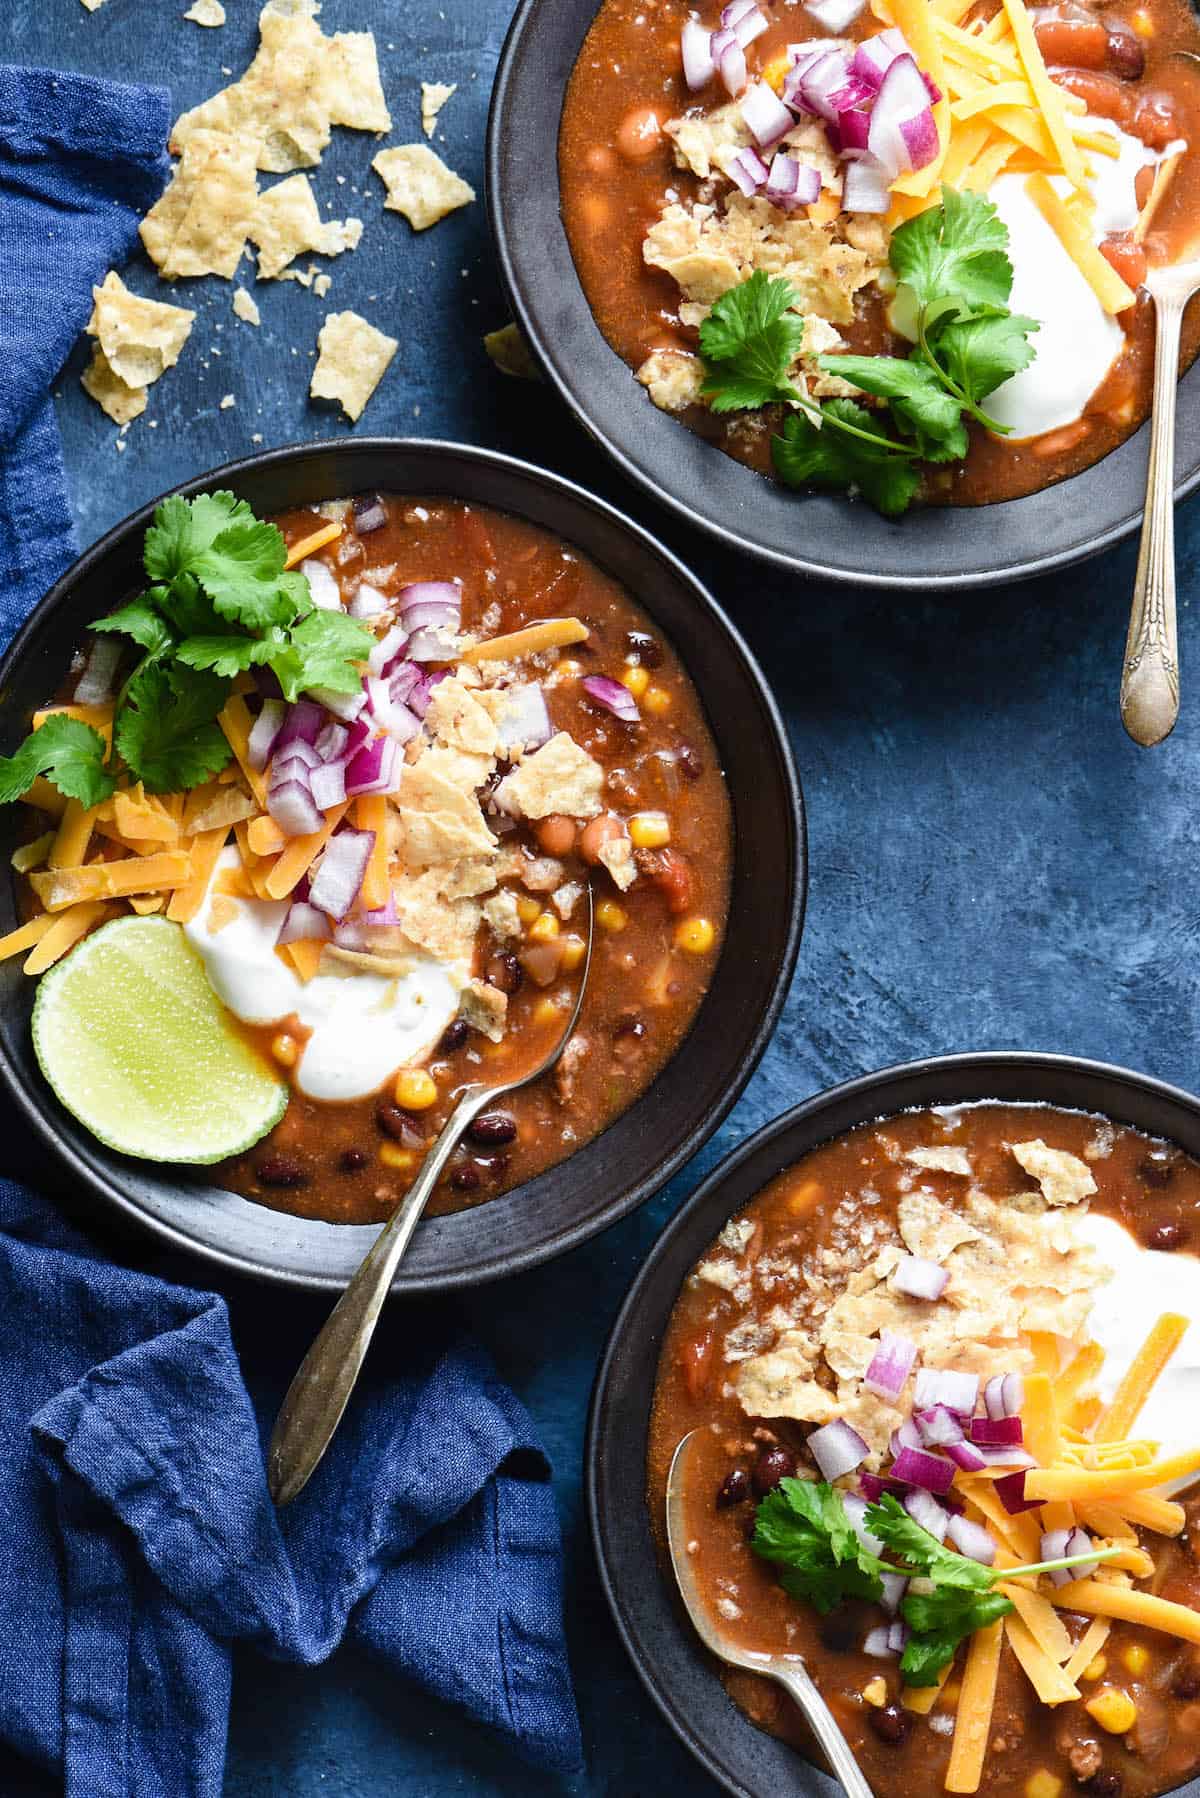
(1150, 677)
(318, 1395)
(788, 1670)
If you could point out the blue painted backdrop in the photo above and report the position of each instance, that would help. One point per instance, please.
(993, 863)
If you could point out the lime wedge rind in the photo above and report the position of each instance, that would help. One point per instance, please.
(135, 1044)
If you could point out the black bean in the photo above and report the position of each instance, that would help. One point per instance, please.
(1167, 1236)
(350, 1160)
(688, 762)
(504, 972)
(1158, 1168)
(891, 1724)
(1125, 54)
(281, 1170)
(733, 1488)
(647, 649)
(370, 513)
(393, 1123)
(493, 1129)
(840, 1631)
(1106, 1783)
(454, 1036)
(465, 1179)
(774, 1463)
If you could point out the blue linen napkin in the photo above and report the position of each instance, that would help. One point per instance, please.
(140, 1542)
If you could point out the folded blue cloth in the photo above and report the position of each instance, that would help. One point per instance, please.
(140, 1542)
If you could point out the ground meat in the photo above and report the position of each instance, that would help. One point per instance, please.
(1085, 1758)
(568, 1066)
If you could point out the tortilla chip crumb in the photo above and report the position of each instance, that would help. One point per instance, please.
(140, 338)
(1063, 1178)
(246, 306)
(946, 1160)
(321, 285)
(93, 5)
(511, 354)
(121, 402)
(353, 359)
(434, 95)
(420, 185)
(286, 223)
(206, 12)
(485, 1009)
(199, 225)
(558, 777)
(227, 403)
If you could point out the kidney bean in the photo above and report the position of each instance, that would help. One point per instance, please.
(774, 1463)
(1167, 1236)
(1102, 94)
(455, 1034)
(465, 1179)
(647, 649)
(504, 972)
(696, 1361)
(891, 1724)
(1156, 121)
(1127, 257)
(596, 833)
(1075, 42)
(556, 834)
(734, 1488)
(493, 1128)
(350, 1160)
(1126, 57)
(1106, 1783)
(688, 762)
(1158, 1168)
(281, 1170)
(638, 134)
(393, 1122)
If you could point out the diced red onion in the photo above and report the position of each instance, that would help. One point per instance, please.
(1006, 1457)
(292, 807)
(854, 128)
(745, 19)
(878, 1643)
(327, 784)
(875, 56)
(972, 1540)
(1004, 1395)
(920, 136)
(809, 87)
(856, 1510)
(748, 171)
(332, 742)
(524, 723)
(766, 117)
(894, 1587)
(942, 1386)
(907, 1436)
(996, 1432)
(372, 769)
(431, 615)
(1053, 1548)
(874, 1485)
(293, 762)
(614, 697)
(263, 732)
(323, 588)
(345, 706)
(835, 15)
(1011, 1493)
(730, 59)
(304, 923)
(916, 1467)
(792, 185)
(370, 513)
(898, 1634)
(337, 881)
(939, 1427)
(919, 1278)
(924, 1509)
(427, 679)
(368, 602)
(1078, 1543)
(382, 915)
(96, 684)
(903, 134)
(389, 713)
(389, 649)
(865, 186)
(696, 49)
(890, 1365)
(447, 594)
(837, 1449)
(931, 88)
(965, 1455)
(303, 721)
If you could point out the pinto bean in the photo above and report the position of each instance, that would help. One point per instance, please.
(596, 833)
(1074, 42)
(638, 134)
(556, 834)
(1156, 121)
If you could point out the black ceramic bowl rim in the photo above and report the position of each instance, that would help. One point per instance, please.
(697, 1087)
(676, 1671)
(812, 534)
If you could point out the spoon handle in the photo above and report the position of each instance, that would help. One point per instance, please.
(1150, 680)
(799, 1683)
(318, 1395)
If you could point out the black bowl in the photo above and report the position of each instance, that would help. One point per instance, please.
(815, 534)
(679, 1675)
(651, 1141)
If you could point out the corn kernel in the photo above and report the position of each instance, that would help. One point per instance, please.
(1043, 1784)
(573, 952)
(546, 1012)
(805, 1197)
(285, 1049)
(1097, 1668)
(1113, 1710)
(636, 678)
(415, 1089)
(568, 667)
(544, 928)
(875, 1691)
(696, 935)
(392, 1155)
(656, 701)
(1136, 1657)
(528, 910)
(649, 830)
(611, 916)
(774, 71)
(1142, 23)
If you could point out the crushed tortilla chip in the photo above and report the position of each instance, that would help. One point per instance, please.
(485, 1008)
(420, 185)
(353, 359)
(434, 95)
(246, 307)
(122, 403)
(140, 339)
(1063, 1178)
(946, 1160)
(206, 12)
(199, 225)
(286, 224)
(558, 777)
(511, 354)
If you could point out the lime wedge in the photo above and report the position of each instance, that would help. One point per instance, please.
(137, 1045)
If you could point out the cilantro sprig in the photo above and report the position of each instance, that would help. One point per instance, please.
(954, 281)
(803, 1528)
(219, 603)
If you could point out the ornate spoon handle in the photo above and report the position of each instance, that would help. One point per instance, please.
(799, 1682)
(1150, 679)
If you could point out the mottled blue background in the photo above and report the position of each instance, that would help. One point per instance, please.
(993, 864)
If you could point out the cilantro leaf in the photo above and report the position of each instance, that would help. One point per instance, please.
(906, 1538)
(846, 451)
(749, 341)
(167, 731)
(920, 403)
(215, 543)
(226, 656)
(323, 652)
(143, 622)
(802, 1526)
(939, 1620)
(958, 251)
(980, 353)
(67, 752)
(183, 529)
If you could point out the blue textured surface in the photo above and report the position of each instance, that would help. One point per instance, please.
(993, 864)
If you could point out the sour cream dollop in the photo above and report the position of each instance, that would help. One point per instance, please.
(1078, 341)
(1145, 1283)
(364, 1026)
